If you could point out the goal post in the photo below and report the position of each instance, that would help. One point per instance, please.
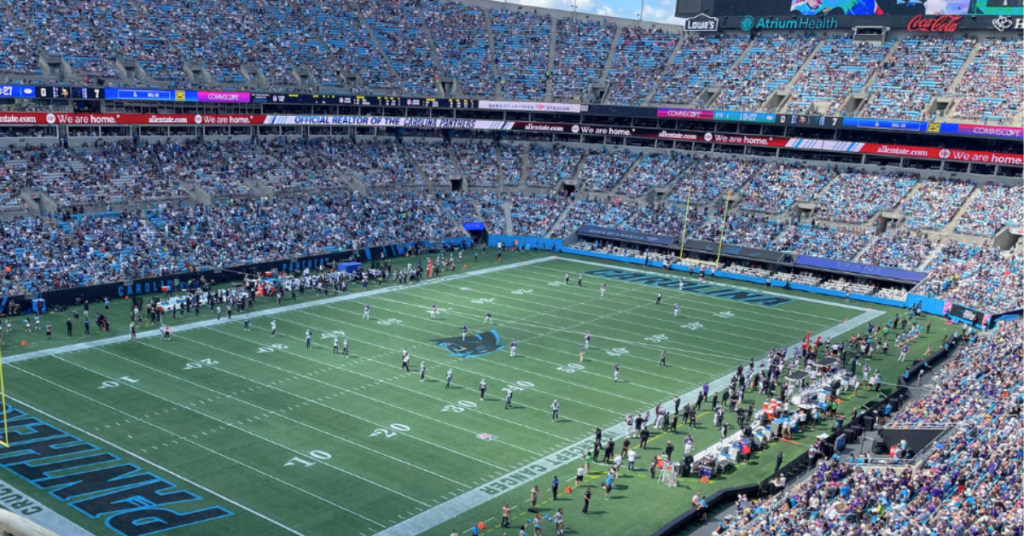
(3, 400)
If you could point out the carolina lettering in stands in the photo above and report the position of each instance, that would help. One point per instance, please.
(133, 502)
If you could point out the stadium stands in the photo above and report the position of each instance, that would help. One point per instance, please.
(605, 213)
(919, 69)
(521, 40)
(653, 170)
(479, 161)
(857, 196)
(512, 163)
(995, 206)
(602, 170)
(773, 187)
(434, 161)
(965, 485)
(902, 249)
(840, 68)
(701, 62)
(533, 215)
(640, 55)
(460, 34)
(934, 203)
(990, 89)
(977, 276)
(399, 30)
(742, 229)
(548, 165)
(840, 243)
(709, 178)
(581, 48)
(770, 63)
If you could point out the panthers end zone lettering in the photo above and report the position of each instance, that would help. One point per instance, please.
(739, 295)
(130, 501)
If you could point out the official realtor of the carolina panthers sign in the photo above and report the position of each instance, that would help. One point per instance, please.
(474, 346)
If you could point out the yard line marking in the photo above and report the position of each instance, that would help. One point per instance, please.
(368, 358)
(270, 310)
(480, 495)
(330, 408)
(166, 470)
(243, 430)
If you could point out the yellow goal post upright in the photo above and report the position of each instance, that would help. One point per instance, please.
(682, 239)
(3, 400)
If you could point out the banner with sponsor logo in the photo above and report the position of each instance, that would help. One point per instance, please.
(730, 250)
(516, 106)
(128, 119)
(372, 121)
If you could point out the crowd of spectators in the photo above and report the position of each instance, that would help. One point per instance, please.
(512, 163)
(521, 40)
(639, 56)
(550, 164)
(935, 202)
(47, 254)
(977, 276)
(903, 249)
(534, 214)
(460, 34)
(855, 196)
(969, 483)
(62, 29)
(701, 62)
(613, 213)
(748, 229)
(479, 163)
(840, 68)
(492, 211)
(770, 63)
(382, 162)
(774, 187)
(839, 243)
(434, 160)
(399, 30)
(309, 165)
(708, 178)
(581, 48)
(995, 206)
(991, 89)
(919, 69)
(653, 170)
(602, 169)
(666, 219)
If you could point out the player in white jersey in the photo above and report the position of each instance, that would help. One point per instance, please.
(508, 398)
(513, 348)
(464, 330)
(586, 341)
(483, 388)
(566, 278)
(675, 311)
(616, 372)
(579, 282)
(405, 359)
(246, 322)
(366, 312)
(423, 370)
(273, 328)
(582, 351)
(344, 348)
(554, 410)
(335, 345)
(218, 312)
(662, 361)
(309, 339)
(680, 284)
(448, 379)
(658, 300)
(603, 287)
(488, 319)
(433, 312)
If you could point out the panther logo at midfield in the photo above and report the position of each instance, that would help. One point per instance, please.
(475, 345)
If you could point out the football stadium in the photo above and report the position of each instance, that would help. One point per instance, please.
(540, 267)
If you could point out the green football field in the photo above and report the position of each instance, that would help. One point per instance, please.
(232, 432)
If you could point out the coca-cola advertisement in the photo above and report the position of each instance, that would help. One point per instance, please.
(940, 24)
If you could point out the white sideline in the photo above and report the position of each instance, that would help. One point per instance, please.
(471, 499)
(268, 310)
